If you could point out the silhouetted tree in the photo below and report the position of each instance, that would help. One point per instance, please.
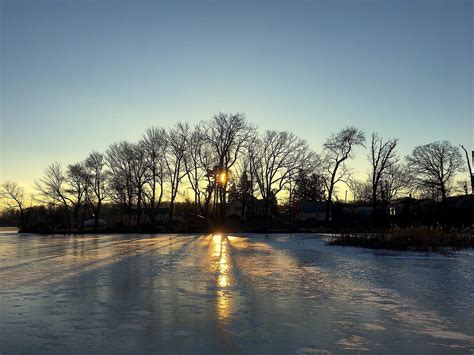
(119, 159)
(434, 165)
(199, 161)
(337, 149)
(96, 167)
(154, 143)
(13, 196)
(309, 187)
(361, 190)
(227, 134)
(245, 190)
(275, 157)
(174, 159)
(396, 179)
(469, 167)
(139, 170)
(117, 191)
(52, 189)
(78, 182)
(382, 156)
(226, 157)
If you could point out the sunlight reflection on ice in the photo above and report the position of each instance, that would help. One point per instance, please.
(220, 253)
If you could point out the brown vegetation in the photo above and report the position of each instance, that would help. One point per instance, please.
(419, 238)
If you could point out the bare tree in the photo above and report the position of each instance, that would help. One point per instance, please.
(434, 165)
(119, 159)
(117, 192)
(396, 179)
(361, 190)
(154, 143)
(469, 167)
(139, 170)
(13, 195)
(96, 166)
(276, 157)
(382, 156)
(227, 134)
(337, 149)
(52, 188)
(78, 184)
(174, 159)
(200, 162)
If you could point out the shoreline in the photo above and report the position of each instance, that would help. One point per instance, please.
(418, 239)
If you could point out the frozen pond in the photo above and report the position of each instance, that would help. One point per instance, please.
(217, 294)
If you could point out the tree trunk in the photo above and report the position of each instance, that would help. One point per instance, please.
(139, 205)
(22, 220)
(330, 191)
(83, 216)
(328, 203)
(443, 193)
(374, 201)
(97, 215)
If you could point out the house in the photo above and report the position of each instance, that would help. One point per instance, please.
(403, 206)
(312, 210)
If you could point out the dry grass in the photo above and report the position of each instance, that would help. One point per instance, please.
(421, 238)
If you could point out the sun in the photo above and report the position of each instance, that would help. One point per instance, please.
(223, 178)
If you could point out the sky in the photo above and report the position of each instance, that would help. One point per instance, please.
(76, 76)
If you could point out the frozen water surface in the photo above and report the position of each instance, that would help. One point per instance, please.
(278, 294)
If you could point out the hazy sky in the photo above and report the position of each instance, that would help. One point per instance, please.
(79, 75)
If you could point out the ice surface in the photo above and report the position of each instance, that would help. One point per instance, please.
(216, 294)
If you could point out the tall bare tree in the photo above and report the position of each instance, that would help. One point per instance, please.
(52, 188)
(277, 156)
(382, 156)
(13, 196)
(174, 159)
(361, 190)
(200, 162)
(78, 184)
(154, 143)
(96, 166)
(338, 148)
(469, 167)
(227, 134)
(396, 179)
(139, 171)
(119, 159)
(434, 165)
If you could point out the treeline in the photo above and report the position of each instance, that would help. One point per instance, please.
(227, 158)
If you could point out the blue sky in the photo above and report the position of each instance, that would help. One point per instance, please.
(79, 75)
